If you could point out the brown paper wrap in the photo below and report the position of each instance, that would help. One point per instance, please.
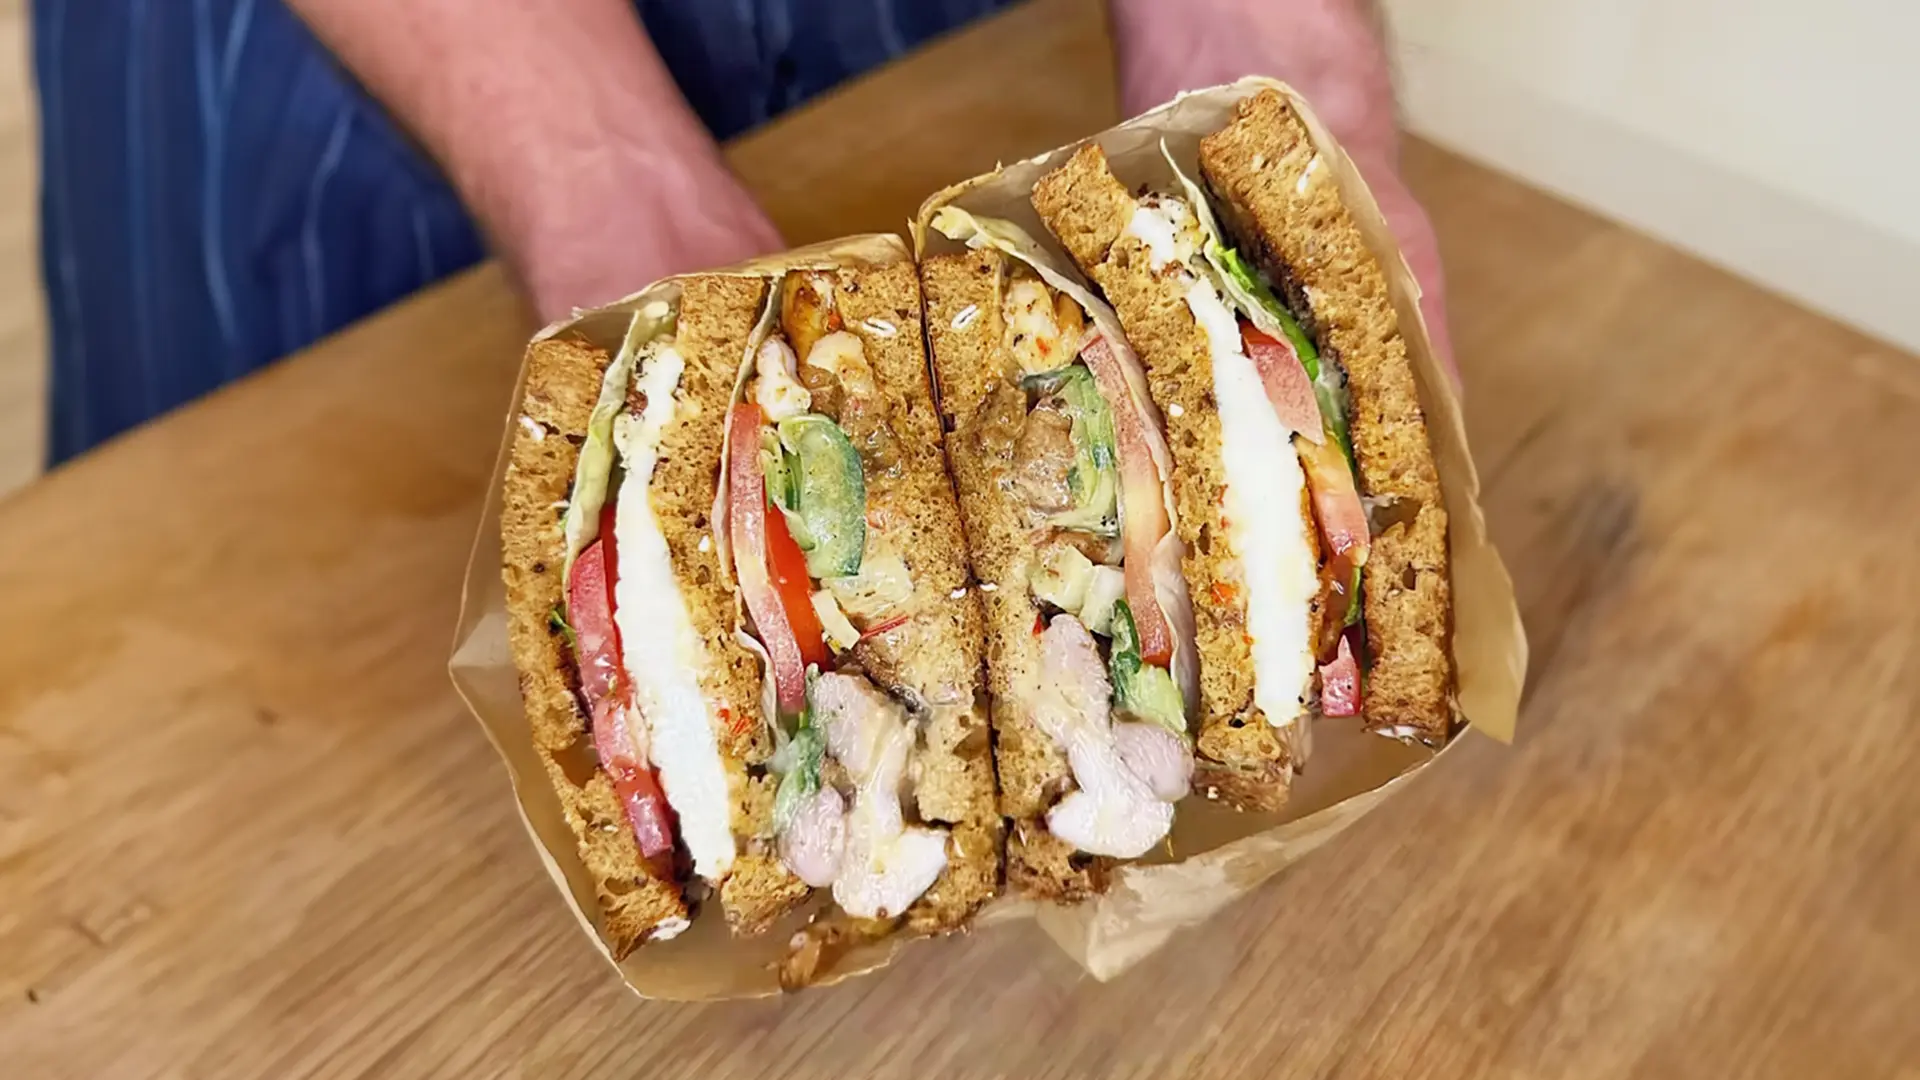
(1214, 856)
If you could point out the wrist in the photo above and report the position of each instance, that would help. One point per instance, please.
(566, 137)
(589, 225)
(1331, 51)
(601, 180)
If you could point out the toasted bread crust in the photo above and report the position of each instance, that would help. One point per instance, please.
(935, 661)
(760, 892)
(716, 320)
(563, 382)
(1301, 233)
(1242, 758)
(1043, 866)
(983, 409)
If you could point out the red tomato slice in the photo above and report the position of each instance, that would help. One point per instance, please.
(605, 540)
(1146, 513)
(1288, 387)
(788, 565)
(1340, 683)
(1336, 502)
(747, 526)
(590, 612)
(618, 737)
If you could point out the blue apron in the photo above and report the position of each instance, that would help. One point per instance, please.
(216, 193)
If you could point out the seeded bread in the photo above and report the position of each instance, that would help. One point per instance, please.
(1241, 759)
(934, 662)
(716, 319)
(1297, 229)
(563, 382)
(717, 316)
(983, 408)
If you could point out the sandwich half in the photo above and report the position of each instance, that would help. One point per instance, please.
(1062, 469)
(740, 606)
(1307, 497)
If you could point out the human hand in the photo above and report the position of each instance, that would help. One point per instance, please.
(623, 214)
(1333, 52)
(565, 136)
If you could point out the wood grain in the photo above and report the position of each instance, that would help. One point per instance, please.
(247, 831)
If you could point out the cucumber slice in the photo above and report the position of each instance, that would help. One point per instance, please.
(777, 466)
(829, 492)
(1139, 688)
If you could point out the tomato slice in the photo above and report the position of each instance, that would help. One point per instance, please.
(1145, 512)
(1337, 509)
(634, 782)
(619, 738)
(612, 556)
(747, 526)
(590, 612)
(1340, 683)
(1336, 501)
(1288, 388)
(788, 564)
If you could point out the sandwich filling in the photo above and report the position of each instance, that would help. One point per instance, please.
(1284, 435)
(1265, 485)
(634, 642)
(1088, 467)
(1309, 394)
(660, 650)
(820, 582)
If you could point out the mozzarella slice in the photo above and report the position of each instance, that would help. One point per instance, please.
(659, 648)
(1265, 509)
(1265, 515)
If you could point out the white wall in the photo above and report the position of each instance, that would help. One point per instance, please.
(1777, 137)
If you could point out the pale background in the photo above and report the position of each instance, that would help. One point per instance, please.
(1760, 134)
(1772, 137)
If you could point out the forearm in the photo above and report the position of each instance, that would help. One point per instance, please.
(1331, 51)
(562, 131)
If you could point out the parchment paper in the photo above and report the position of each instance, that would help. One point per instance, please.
(1215, 856)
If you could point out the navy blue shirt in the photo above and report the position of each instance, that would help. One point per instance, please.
(217, 193)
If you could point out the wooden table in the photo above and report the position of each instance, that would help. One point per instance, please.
(246, 829)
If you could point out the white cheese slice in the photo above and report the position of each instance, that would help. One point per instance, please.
(659, 649)
(1266, 524)
(1265, 517)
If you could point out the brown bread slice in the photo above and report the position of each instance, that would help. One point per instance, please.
(716, 320)
(1297, 229)
(716, 317)
(563, 382)
(1242, 759)
(983, 408)
(936, 660)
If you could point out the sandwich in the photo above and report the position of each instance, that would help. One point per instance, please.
(741, 612)
(1306, 495)
(1064, 477)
